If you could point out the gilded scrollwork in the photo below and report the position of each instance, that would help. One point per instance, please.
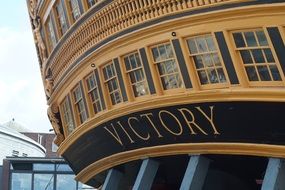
(48, 83)
(33, 8)
(39, 40)
(54, 118)
(36, 24)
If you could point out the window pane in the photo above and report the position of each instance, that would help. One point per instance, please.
(212, 75)
(216, 59)
(251, 73)
(65, 182)
(210, 43)
(139, 75)
(43, 181)
(221, 75)
(75, 9)
(91, 3)
(192, 46)
(246, 57)
(162, 52)
(61, 18)
(161, 69)
(261, 38)
(174, 81)
(140, 89)
(51, 34)
(133, 61)
(138, 60)
(132, 77)
(63, 167)
(198, 61)
(170, 66)
(208, 60)
(203, 77)
(269, 56)
(127, 63)
(169, 51)
(239, 40)
(165, 83)
(110, 86)
(21, 181)
(263, 73)
(82, 186)
(250, 39)
(258, 56)
(110, 71)
(90, 82)
(117, 97)
(43, 167)
(201, 45)
(155, 54)
(275, 73)
(97, 107)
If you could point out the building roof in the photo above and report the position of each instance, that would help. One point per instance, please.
(16, 126)
(10, 131)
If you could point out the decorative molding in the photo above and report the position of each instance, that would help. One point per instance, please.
(186, 148)
(225, 95)
(53, 115)
(36, 26)
(114, 18)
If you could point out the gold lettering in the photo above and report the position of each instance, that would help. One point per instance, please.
(136, 119)
(162, 122)
(210, 119)
(115, 134)
(131, 140)
(192, 122)
(147, 115)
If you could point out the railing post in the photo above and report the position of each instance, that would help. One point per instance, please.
(275, 175)
(195, 173)
(146, 175)
(112, 180)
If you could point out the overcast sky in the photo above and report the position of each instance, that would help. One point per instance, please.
(21, 90)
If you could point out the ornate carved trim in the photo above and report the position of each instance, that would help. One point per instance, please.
(55, 121)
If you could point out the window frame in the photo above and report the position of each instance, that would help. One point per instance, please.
(190, 57)
(58, 18)
(62, 115)
(155, 67)
(127, 72)
(270, 46)
(88, 91)
(88, 4)
(70, 11)
(49, 39)
(105, 84)
(76, 103)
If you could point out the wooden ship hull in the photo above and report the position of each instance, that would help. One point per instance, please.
(144, 94)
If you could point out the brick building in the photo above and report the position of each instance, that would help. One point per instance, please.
(46, 140)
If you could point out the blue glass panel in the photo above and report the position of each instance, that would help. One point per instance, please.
(63, 167)
(43, 167)
(43, 181)
(65, 182)
(21, 181)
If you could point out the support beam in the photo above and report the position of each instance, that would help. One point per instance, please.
(275, 175)
(112, 180)
(146, 175)
(195, 173)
